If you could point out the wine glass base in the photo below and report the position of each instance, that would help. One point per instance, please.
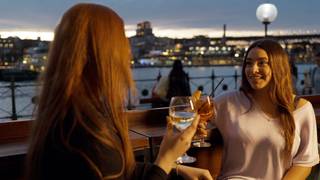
(185, 159)
(201, 144)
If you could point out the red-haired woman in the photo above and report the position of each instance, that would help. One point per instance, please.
(81, 130)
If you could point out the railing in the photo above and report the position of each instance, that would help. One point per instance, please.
(17, 100)
(206, 84)
(196, 82)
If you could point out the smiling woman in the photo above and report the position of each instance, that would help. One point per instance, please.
(258, 70)
(268, 133)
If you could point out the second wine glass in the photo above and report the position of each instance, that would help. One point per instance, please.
(206, 110)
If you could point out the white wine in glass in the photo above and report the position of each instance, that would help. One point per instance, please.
(182, 112)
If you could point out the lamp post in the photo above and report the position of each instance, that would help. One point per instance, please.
(266, 13)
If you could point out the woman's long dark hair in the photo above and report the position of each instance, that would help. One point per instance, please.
(178, 81)
(88, 75)
(281, 91)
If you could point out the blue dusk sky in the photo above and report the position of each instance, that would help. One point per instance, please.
(172, 18)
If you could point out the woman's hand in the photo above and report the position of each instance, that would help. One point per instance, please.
(202, 129)
(191, 173)
(174, 145)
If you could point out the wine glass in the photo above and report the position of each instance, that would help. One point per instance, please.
(182, 112)
(206, 110)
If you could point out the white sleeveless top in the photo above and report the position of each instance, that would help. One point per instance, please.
(253, 142)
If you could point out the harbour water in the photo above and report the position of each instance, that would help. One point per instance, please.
(145, 80)
(205, 72)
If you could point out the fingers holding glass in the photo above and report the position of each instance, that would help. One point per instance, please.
(182, 113)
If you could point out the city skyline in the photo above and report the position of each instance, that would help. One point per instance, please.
(175, 19)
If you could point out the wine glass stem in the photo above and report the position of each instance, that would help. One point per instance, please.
(185, 155)
(202, 140)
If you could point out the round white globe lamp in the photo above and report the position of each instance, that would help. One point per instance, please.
(266, 13)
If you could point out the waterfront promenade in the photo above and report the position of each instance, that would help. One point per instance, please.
(18, 98)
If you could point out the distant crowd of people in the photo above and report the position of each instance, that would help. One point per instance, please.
(315, 75)
(311, 78)
(81, 131)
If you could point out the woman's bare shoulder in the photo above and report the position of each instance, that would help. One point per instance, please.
(301, 102)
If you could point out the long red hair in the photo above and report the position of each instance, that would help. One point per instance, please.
(88, 72)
